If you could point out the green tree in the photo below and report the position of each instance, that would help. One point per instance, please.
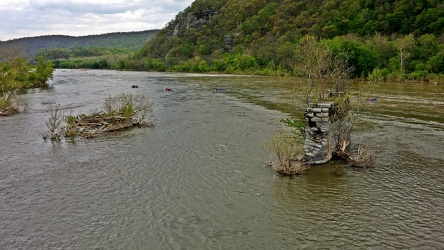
(323, 72)
(359, 57)
(404, 44)
(203, 66)
(42, 73)
(13, 76)
(103, 63)
(268, 31)
(425, 47)
(10, 79)
(436, 63)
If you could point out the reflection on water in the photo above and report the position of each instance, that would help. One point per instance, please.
(199, 179)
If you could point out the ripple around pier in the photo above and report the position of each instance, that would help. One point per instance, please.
(199, 179)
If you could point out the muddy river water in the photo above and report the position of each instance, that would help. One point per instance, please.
(199, 178)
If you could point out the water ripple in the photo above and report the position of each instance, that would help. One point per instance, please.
(198, 179)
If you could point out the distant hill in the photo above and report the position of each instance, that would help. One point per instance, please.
(31, 45)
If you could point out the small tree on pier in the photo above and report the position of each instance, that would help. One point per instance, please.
(323, 72)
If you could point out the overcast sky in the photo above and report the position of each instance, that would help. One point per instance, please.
(27, 18)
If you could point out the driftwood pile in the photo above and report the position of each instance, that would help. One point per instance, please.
(89, 126)
(120, 112)
(6, 112)
(294, 168)
(360, 160)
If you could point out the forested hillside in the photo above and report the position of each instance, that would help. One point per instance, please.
(385, 39)
(129, 40)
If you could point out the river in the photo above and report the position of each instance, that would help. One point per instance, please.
(200, 178)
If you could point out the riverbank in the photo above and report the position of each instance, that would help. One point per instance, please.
(407, 78)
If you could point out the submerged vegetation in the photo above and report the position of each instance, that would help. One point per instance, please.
(119, 112)
(54, 122)
(288, 146)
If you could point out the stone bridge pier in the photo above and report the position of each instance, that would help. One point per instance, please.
(325, 133)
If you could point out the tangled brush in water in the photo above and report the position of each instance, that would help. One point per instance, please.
(291, 169)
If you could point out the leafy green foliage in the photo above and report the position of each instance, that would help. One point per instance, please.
(70, 120)
(289, 149)
(42, 72)
(361, 58)
(128, 106)
(262, 37)
(16, 74)
(87, 57)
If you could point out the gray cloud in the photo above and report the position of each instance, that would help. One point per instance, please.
(26, 18)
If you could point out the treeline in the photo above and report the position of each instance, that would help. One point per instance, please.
(86, 57)
(375, 58)
(128, 40)
(91, 51)
(382, 39)
(100, 56)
